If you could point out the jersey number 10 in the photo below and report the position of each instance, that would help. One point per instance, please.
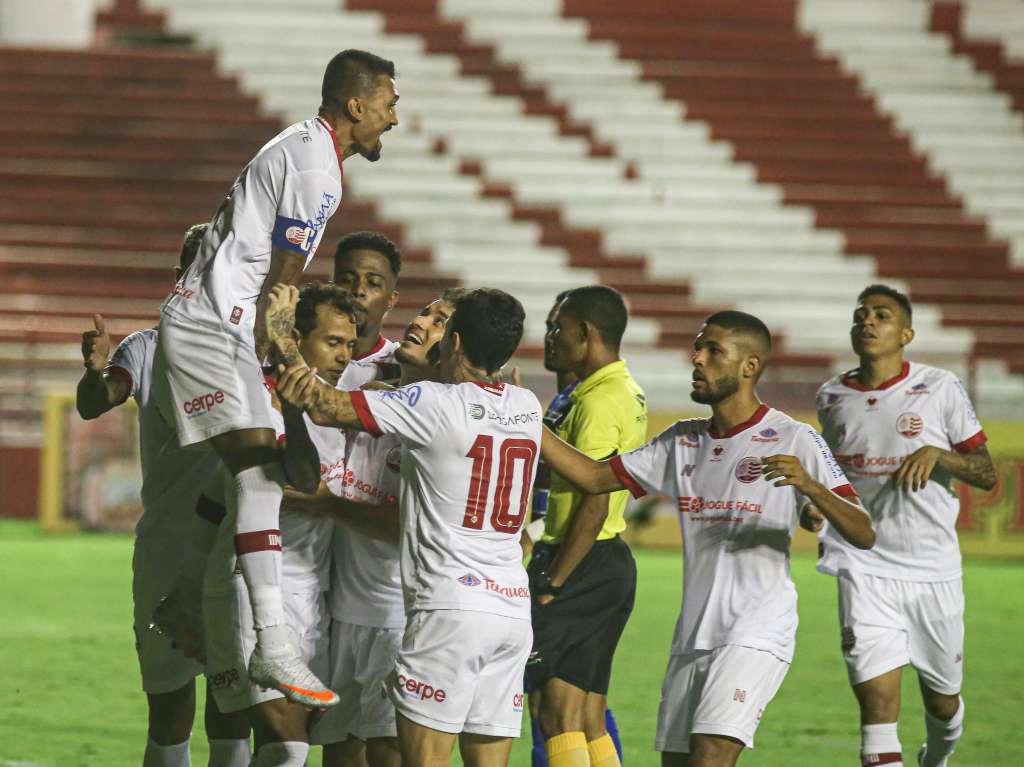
(511, 452)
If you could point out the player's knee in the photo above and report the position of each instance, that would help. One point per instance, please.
(556, 720)
(383, 752)
(171, 715)
(713, 751)
(279, 721)
(879, 704)
(219, 726)
(940, 705)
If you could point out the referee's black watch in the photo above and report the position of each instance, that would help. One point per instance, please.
(543, 585)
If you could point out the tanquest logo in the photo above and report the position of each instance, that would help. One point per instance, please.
(512, 592)
(203, 403)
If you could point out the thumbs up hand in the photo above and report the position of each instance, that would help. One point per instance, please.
(96, 345)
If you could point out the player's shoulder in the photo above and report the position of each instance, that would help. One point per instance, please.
(835, 385)
(786, 426)
(920, 376)
(139, 341)
(299, 147)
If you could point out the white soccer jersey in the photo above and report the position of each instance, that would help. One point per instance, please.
(366, 582)
(468, 462)
(736, 526)
(376, 365)
(172, 478)
(306, 538)
(282, 199)
(872, 432)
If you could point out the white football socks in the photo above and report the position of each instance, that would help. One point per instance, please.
(229, 753)
(290, 754)
(942, 737)
(254, 501)
(880, 744)
(166, 756)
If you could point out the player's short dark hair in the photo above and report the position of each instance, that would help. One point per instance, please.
(190, 245)
(884, 290)
(731, 319)
(369, 241)
(352, 73)
(601, 306)
(490, 323)
(453, 294)
(315, 294)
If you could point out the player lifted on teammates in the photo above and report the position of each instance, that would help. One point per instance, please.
(207, 376)
(469, 454)
(740, 479)
(902, 432)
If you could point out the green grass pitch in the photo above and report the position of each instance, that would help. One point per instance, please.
(71, 682)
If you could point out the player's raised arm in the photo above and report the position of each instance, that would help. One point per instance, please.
(848, 518)
(285, 268)
(99, 389)
(590, 476)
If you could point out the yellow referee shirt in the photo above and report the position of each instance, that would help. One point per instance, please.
(608, 416)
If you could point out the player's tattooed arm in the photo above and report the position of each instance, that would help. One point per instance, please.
(279, 323)
(299, 386)
(975, 468)
(97, 390)
(849, 519)
(285, 269)
(590, 476)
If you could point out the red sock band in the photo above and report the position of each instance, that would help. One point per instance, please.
(258, 540)
(870, 760)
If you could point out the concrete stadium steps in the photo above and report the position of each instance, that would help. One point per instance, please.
(799, 117)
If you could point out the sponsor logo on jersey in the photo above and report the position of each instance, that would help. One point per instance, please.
(181, 290)
(203, 403)
(511, 592)
(469, 580)
(223, 679)
(909, 425)
(826, 453)
(872, 401)
(393, 460)
(718, 452)
(921, 388)
(515, 419)
(408, 394)
(690, 439)
(517, 702)
(861, 461)
(766, 435)
(748, 470)
(413, 689)
(349, 480)
(476, 412)
(236, 315)
(694, 504)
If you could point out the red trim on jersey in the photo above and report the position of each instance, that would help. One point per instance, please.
(846, 491)
(376, 348)
(756, 418)
(118, 372)
(337, 146)
(258, 540)
(971, 443)
(850, 379)
(491, 388)
(365, 415)
(873, 759)
(626, 478)
(270, 381)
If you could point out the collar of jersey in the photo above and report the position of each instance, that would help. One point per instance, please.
(599, 376)
(334, 140)
(850, 380)
(376, 348)
(756, 418)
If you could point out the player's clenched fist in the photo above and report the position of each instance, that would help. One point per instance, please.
(96, 345)
(281, 311)
(296, 385)
(789, 472)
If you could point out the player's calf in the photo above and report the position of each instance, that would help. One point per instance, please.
(714, 751)
(944, 725)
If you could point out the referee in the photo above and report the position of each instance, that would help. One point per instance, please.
(582, 575)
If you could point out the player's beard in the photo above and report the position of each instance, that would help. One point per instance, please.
(715, 392)
(373, 154)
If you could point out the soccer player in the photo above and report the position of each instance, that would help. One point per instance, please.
(367, 265)
(365, 597)
(469, 453)
(740, 479)
(582, 575)
(207, 376)
(902, 432)
(325, 331)
(172, 479)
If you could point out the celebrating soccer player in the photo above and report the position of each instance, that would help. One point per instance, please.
(469, 453)
(582, 575)
(740, 480)
(207, 376)
(171, 482)
(902, 432)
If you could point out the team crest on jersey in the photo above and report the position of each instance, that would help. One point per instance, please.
(909, 425)
(749, 469)
(476, 412)
(921, 388)
(469, 580)
(690, 439)
(832, 399)
(717, 453)
(393, 460)
(766, 435)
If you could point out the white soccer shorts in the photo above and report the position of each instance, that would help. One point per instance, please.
(362, 659)
(716, 692)
(208, 382)
(154, 571)
(231, 638)
(462, 671)
(887, 623)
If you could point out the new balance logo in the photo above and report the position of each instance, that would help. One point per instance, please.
(688, 470)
